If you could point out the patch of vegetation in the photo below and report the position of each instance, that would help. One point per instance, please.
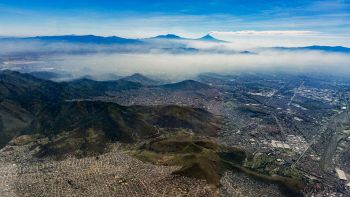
(199, 157)
(253, 111)
(312, 104)
(269, 165)
(202, 158)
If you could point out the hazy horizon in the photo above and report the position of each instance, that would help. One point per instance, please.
(295, 23)
(252, 30)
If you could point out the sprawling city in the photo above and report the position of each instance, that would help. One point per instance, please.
(195, 98)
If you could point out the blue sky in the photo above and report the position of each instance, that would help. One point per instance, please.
(298, 21)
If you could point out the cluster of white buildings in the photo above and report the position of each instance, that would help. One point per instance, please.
(279, 144)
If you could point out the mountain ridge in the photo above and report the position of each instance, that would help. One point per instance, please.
(94, 39)
(34, 106)
(186, 85)
(86, 39)
(139, 78)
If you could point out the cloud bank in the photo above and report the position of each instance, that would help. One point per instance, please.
(173, 60)
(179, 66)
(264, 33)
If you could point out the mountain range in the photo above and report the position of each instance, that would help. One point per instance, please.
(92, 39)
(60, 113)
(168, 43)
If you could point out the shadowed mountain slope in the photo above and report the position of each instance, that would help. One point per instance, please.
(186, 85)
(33, 106)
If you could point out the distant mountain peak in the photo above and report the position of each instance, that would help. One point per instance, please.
(168, 36)
(139, 78)
(210, 38)
(137, 75)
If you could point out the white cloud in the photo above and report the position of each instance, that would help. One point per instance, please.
(289, 38)
(265, 33)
